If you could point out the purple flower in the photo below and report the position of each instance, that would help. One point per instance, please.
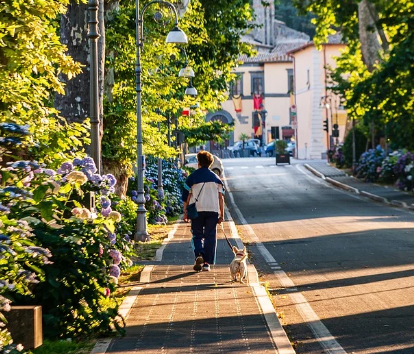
(127, 238)
(116, 256)
(112, 238)
(87, 172)
(65, 168)
(105, 191)
(147, 197)
(105, 202)
(134, 193)
(49, 172)
(111, 179)
(114, 271)
(96, 179)
(105, 212)
(77, 162)
(89, 164)
(134, 199)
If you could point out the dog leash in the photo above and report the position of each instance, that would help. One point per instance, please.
(228, 242)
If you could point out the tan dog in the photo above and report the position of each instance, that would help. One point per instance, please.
(238, 265)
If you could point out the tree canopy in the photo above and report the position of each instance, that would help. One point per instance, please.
(381, 94)
(31, 60)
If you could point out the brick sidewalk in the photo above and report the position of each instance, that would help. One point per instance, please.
(181, 311)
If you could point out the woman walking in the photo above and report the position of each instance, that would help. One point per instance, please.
(204, 188)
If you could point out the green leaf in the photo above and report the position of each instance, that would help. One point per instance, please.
(65, 188)
(40, 192)
(46, 210)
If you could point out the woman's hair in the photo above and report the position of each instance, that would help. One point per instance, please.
(205, 159)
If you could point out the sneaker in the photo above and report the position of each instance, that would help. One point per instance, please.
(206, 267)
(198, 264)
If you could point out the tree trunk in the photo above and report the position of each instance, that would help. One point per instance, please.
(374, 14)
(114, 167)
(74, 105)
(368, 35)
(121, 174)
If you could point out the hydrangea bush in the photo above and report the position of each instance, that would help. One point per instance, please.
(387, 171)
(173, 179)
(84, 246)
(369, 165)
(160, 206)
(404, 170)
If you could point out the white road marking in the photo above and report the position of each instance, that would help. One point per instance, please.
(259, 166)
(276, 330)
(244, 167)
(229, 168)
(322, 334)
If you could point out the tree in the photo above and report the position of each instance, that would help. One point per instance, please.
(212, 130)
(214, 45)
(243, 137)
(31, 60)
(372, 73)
(285, 11)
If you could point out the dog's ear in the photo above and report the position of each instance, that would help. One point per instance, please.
(234, 248)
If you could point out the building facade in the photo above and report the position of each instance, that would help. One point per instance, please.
(314, 102)
(260, 99)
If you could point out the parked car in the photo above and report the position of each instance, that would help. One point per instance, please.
(236, 146)
(250, 146)
(291, 147)
(257, 141)
(270, 148)
(216, 167)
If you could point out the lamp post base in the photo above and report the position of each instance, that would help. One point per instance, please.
(141, 234)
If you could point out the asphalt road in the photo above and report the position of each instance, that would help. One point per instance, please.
(340, 267)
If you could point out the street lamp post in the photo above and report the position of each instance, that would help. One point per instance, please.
(94, 93)
(175, 36)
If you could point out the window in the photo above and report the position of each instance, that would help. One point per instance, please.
(257, 83)
(291, 81)
(236, 87)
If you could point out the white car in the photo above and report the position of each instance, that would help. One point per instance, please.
(216, 167)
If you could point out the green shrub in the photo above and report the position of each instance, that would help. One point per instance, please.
(360, 146)
(86, 253)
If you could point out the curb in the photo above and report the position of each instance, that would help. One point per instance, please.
(315, 172)
(399, 203)
(342, 185)
(374, 197)
(377, 198)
